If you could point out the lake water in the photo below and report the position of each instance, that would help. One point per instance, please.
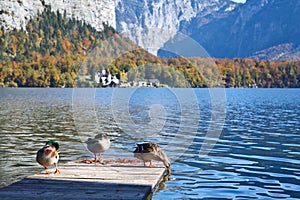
(233, 143)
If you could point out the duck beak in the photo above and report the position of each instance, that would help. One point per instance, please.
(169, 169)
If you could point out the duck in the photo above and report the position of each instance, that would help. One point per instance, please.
(48, 155)
(98, 145)
(148, 151)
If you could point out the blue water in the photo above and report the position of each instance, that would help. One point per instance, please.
(227, 144)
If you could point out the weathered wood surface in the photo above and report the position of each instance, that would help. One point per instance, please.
(89, 181)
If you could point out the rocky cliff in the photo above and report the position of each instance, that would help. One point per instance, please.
(150, 23)
(16, 13)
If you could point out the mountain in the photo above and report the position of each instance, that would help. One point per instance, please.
(260, 29)
(151, 23)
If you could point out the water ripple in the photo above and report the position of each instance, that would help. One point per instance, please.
(256, 156)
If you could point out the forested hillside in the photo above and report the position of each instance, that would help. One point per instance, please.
(48, 53)
(54, 49)
(260, 73)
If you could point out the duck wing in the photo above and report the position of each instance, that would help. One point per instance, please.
(146, 147)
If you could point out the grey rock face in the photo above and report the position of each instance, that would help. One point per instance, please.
(16, 13)
(150, 23)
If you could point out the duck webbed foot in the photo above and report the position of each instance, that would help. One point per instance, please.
(46, 171)
(56, 169)
(151, 164)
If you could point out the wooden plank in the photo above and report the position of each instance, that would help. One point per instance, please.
(66, 190)
(74, 195)
(89, 181)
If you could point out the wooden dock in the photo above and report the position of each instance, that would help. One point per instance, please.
(113, 180)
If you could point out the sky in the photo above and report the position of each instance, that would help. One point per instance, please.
(239, 1)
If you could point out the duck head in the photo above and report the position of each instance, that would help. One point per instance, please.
(166, 162)
(101, 136)
(53, 143)
(169, 169)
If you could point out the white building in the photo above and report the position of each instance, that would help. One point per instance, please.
(105, 79)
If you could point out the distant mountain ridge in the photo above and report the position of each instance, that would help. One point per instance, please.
(260, 29)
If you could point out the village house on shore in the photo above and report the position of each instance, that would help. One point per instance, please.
(105, 79)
